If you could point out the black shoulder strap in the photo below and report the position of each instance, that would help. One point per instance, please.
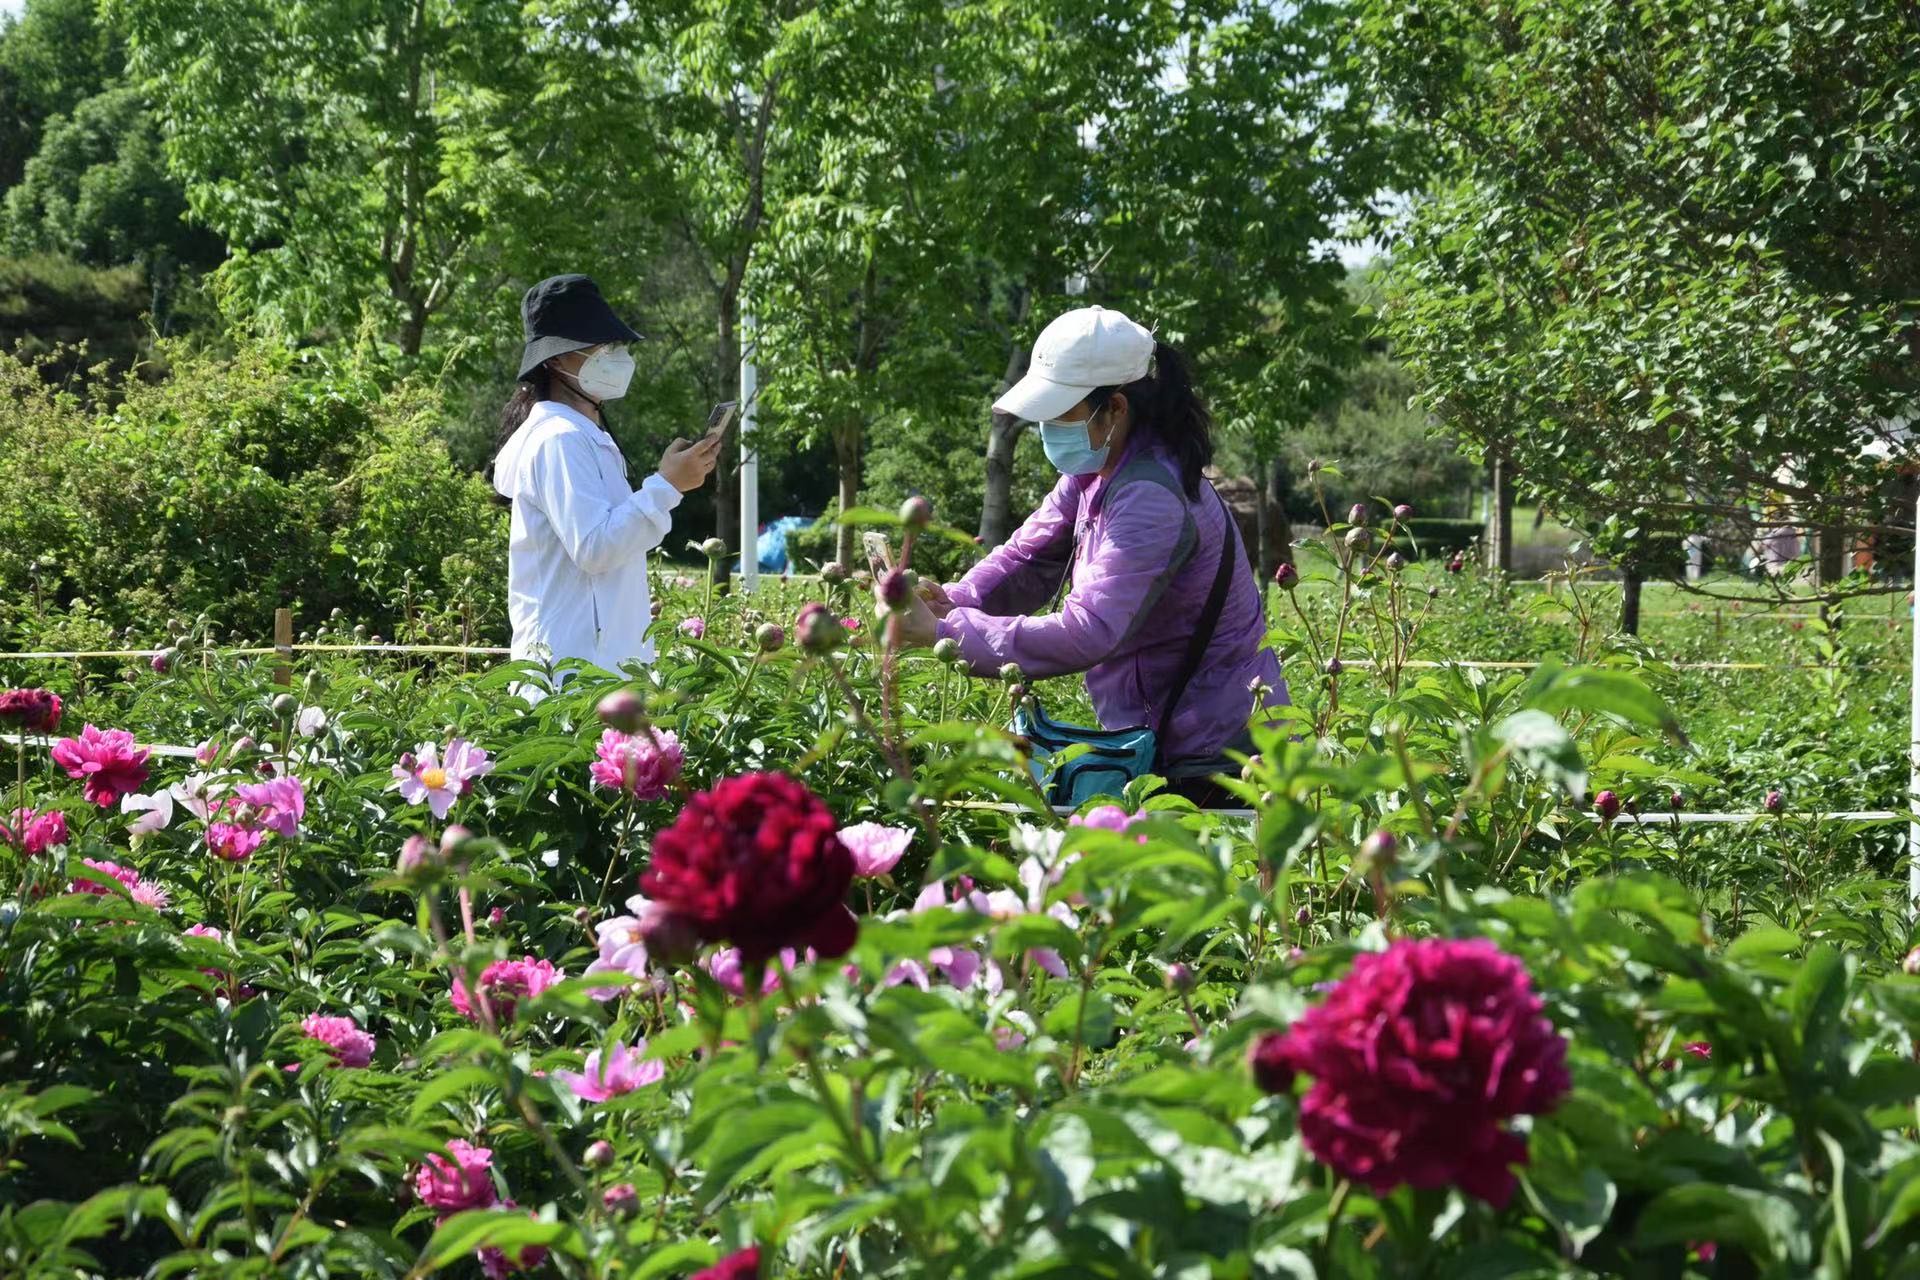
(1209, 622)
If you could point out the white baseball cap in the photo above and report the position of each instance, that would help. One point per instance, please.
(1078, 353)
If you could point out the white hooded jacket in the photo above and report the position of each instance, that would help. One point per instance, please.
(577, 552)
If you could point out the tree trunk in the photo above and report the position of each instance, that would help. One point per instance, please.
(846, 456)
(726, 495)
(1630, 600)
(1500, 513)
(1273, 504)
(1003, 438)
(1830, 561)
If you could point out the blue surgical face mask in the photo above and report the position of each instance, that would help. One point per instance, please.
(1070, 449)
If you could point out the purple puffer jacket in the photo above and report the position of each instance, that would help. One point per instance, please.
(1145, 567)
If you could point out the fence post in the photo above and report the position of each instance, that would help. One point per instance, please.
(283, 643)
(1913, 738)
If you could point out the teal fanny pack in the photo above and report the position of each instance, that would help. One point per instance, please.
(1115, 757)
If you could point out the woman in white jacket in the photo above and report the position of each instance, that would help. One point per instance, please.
(577, 552)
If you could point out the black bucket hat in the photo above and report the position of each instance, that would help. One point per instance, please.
(566, 313)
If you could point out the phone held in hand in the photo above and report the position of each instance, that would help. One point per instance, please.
(721, 417)
(879, 554)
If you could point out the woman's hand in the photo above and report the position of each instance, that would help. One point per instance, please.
(939, 603)
(914, 627)
(687, 464)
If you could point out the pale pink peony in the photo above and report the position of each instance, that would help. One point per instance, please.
(150, 894)
(505, 983)
(156, 812)
(424, 777)
(350, 1046)
(642, 764)
(621, 1070)
(876, 848)
(105, 762)
(623, 945)
(695, 627)
(281, 803)
(464, 1182)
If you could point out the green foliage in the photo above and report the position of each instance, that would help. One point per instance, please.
(231, 488)
(1658, 263)
(50, 306)
(54, 55)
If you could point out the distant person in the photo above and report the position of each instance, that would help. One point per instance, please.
(1148, 543)
(577, 552)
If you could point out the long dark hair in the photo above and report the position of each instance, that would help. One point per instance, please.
(529, 391)
(1167, 403)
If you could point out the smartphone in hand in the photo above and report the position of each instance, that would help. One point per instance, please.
(720, 419)
(879, 554)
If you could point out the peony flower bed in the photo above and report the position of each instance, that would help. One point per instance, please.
(767, 962)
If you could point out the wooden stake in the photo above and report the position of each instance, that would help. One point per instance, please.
(283, 645)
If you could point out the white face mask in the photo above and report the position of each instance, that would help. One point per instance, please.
(605, 374)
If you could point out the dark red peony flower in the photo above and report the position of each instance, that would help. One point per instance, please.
(756, 861)
(744, 1265)
(1418, 1056)
(30, 710)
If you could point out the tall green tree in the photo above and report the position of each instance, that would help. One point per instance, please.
(54, 54)
(1670, 272)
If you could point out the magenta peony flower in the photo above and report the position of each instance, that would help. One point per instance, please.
(1607, 806)
(350, 1046)
(238, 836)
(497, 1264)
(30, 710)
(106, 763)
(622, 1070)
(125, 875)
(642, 764)
(876, 848)
(1418, 1056)
(282, 803)
(33, 832)
(695, 627)
(424, 777)
(504, 983)
(744, 1265)
(1700, 1049)
(464, 1182)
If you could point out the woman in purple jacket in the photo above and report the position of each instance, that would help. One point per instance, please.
(1142, 532)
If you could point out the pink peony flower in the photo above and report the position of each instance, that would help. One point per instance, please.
(205, 931)
(311, 722)
(621, 1070)
(150, 894)
(282, 803)
(207, 752)
(504, 983)
(497, 1264)
(464, 1182)
(1106, 817)
(695, 627)
(33, 832)
(876, 849)
(623, 945)
(237, 837)
(350, 1046)
(106, 763)
(642, 764)
(423, 776)
(1419, 1055)
(1701, 1050)
(744, 1265)
(125, 875)
(727, 969)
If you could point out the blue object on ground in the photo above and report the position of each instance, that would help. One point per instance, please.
(771, 549)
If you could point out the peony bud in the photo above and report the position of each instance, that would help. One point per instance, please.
(1380, 848)
(1607, 805)
(714, 548)
(1335, 666)
(1179, 977)
(623, 710)
(947, 650)
(162, 662)
(1304, 916)
(453, 837)
(1911, 964)
(1395, 561)
(1359, 538)
(1017, 692)
(583, 916)
(894, 590)
(1286, 577)
(818, 630)
(833, 574)
(496, 918)
(243, 744)
(1010, 673)
(1403, 512)
(598, 1155)
(417, 853)
(1455, 564)
(621, 1200)
(1775, 802)
(916, 512)
(285, 707)
(771, 637)
(1676, 802)
(1357, 513)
